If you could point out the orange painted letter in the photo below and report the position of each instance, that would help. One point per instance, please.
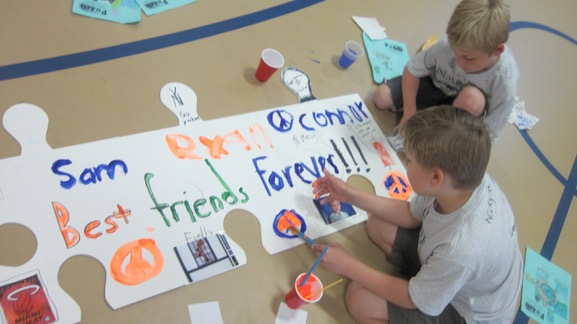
(179, 151)
(90, 227)
(63, 217)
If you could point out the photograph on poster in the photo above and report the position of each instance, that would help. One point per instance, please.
(205, 257)
(334, 211)
(24, 299)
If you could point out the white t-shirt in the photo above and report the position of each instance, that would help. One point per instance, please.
(499, 83)
(470, 258)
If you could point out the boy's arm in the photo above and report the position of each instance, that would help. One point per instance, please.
(410, 86)
(393, 289)
(502, 94)
(393, 211)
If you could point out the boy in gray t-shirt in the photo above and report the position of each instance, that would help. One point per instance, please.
(472, 69)
(461, 248)
(455, 243)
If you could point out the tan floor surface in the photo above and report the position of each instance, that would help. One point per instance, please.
(121, 97)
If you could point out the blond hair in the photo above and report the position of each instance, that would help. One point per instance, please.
(452, 140)
(479, 25)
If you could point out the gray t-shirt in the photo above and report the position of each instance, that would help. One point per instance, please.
(499, 83)
(470, 258)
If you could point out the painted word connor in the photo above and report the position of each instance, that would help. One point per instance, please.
(282, 120)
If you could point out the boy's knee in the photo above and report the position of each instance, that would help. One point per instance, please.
(353, 298)
(382, 97)
(470, 98)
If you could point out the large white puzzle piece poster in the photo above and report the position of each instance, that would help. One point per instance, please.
(150, 207)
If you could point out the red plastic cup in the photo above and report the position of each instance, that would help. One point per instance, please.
(270, 61)
(296, 297)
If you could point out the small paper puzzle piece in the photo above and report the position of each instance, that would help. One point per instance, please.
(181, 100)
(387, 57)
(120, 11)
(298, 82)
(546, 293)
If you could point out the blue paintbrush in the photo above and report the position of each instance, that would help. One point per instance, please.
(306, 278)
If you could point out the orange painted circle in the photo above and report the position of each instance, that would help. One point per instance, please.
(138, 270)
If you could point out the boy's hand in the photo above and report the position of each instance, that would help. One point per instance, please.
(406, 116)
(336, 259)
(336, 188)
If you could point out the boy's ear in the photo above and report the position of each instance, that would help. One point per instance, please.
(500, 49)
(438, 176)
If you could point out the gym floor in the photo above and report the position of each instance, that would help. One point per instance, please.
(113, 93)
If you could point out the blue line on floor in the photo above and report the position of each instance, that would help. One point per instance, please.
(560, 214)
(528, 24)
(543, 159)
(556, 226)
(570, 190)
(570, 185)
(57, 63)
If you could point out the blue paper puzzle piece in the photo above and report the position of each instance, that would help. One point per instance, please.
(387, 57)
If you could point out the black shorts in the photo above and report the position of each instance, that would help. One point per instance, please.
(406, 258)
(428, 95)
(414, 316)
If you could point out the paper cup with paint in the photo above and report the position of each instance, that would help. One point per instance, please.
(351, 53)
(270, 61)
(311, 292)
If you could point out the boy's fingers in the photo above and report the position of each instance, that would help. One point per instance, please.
(317, 189)
(318, 247)
(316, 183)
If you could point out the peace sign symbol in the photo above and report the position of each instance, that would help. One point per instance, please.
(397, 186)
(138, 269)
(281, 120)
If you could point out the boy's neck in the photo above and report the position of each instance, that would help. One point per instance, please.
(450, 201)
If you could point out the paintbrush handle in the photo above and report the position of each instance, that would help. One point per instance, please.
(301, 235)
(314, 267)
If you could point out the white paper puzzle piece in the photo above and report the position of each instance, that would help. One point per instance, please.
(298, 82)
(181, 100)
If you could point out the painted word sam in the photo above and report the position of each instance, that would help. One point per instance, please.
(89, 175)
